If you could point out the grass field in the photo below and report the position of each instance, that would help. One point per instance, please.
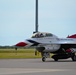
(19, 54)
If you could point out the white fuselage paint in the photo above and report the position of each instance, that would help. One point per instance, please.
(47, 42)
(48, 47)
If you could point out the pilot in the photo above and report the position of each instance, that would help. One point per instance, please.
(41, 35)
(37, 35)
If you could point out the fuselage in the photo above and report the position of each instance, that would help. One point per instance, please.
(45, 40)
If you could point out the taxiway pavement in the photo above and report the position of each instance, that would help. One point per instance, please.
(37, 67)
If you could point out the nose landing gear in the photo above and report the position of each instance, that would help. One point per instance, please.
(43, 58)
(45, 55)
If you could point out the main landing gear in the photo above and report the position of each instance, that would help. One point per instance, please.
(73, 57)
(64, 56)
(60, 56)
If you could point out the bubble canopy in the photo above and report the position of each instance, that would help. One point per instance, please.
(41, 34)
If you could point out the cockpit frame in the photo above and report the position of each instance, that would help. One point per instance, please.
(41, 35)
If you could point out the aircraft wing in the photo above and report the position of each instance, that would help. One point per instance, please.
(63, 41)
(66, 41)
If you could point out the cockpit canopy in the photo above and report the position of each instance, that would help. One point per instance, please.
(39, 35)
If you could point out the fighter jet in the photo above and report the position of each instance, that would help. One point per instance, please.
(46, 43)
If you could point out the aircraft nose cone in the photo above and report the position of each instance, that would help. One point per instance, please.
(21, 44)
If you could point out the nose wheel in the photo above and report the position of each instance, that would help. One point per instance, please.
(43, 58)
(45, 55)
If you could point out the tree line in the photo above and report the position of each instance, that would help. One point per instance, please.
(11, 47)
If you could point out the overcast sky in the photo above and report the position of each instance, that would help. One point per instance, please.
(17, 19)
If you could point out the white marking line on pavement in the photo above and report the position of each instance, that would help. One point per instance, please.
(4, 71)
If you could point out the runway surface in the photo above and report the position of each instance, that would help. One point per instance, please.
(37, 67)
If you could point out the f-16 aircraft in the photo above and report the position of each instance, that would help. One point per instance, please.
(47, 43)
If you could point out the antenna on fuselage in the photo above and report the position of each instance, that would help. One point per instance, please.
(36, 17)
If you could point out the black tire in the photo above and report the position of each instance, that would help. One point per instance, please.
(74, 58)
(55, 59)
(43, 59)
